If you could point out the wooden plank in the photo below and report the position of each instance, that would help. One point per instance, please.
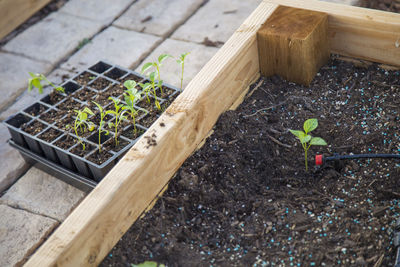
(294, 44)
(358, 32)
(108, 211)
(14, 12)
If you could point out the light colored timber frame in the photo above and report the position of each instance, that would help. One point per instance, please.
(96, 225)
(15, 12)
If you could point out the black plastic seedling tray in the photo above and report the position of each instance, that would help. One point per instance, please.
(63, 161)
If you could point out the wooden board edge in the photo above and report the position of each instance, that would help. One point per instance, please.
(97, 224)
(358, 32)
(14, 12)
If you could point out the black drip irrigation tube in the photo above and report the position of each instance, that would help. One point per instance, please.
(321, 160)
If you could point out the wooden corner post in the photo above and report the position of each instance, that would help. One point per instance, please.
(294, 44)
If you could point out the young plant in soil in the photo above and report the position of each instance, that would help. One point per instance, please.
(181, 61)
(156, 64)
(82, 124)
(119, 114)
(36, 81)
(146, 87)
(152, 78)
(131, 96)
(307, 140)
(102, 114)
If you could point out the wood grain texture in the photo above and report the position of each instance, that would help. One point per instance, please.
(14, 12)
(294, 44)
(357, 32)
(109, 210)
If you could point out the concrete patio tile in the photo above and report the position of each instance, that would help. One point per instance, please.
(103, 11)
(14, 76)
(158, 17)
(217, 20)
(53, 38)
(21, 232)
(27, 98)
(12, 164)
(171, 71)
(41, 193)
(122, 47)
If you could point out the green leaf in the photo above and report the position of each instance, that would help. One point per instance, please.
(33, 75)
(310, 125)
(297, 133)
(128, 101)
(318, 141)
(183, 56)
(30, 85)
(88, 110)
(98, 106)
(91, 126)
(147, 66)
(59, 89)
(304, 138)
(83, 116)
(111, 112)
(152, 76)
(38, 85)
(163, 57)
(130, 84)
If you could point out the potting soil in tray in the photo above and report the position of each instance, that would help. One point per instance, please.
(245, 199)
(46, 127)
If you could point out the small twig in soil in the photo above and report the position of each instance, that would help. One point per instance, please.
(372, 183)
(255, 88)
(279, 143)
(264, 109)
(348, 80)
(379, 262)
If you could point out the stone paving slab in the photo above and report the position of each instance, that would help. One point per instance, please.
(171, 71)
(217, 20)
(117, 46)
(41, 193)
(12, 164)
(21, 233)
(103, 11)
(158, 17)
(14, 76)
(53, 38)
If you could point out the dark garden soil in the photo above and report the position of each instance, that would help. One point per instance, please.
(245, 199)
(385, 5)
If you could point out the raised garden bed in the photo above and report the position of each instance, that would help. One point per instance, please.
(45, 128)
(245, 199)
(96, 225)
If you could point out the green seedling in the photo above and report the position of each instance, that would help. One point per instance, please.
(36, 81)
(152, 78)
(146, 88)
(82, 123)
(102, 129)
(131, 96)
(181, 61)
(307, 140)
(119, 114)
(156, 64)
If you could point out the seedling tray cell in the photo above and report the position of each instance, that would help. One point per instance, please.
(39, 131)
